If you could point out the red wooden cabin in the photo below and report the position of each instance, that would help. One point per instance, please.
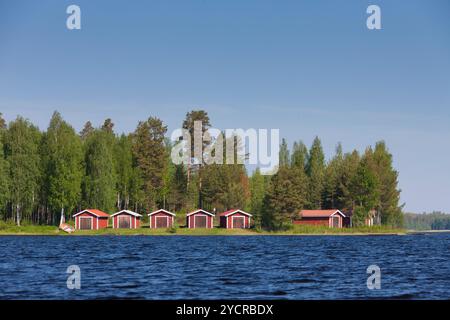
(235, 219)
(126, 219)
(91, 219)
(332, 218)
(161, 219)
(199, 219)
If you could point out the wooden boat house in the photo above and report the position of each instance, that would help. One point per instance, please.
(235, 219)
(199, 219)
(91, 219)
(126, 219)
(332, 218)
(161, 219)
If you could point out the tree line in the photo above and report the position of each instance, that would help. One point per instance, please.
(46, 174)
(427, 221)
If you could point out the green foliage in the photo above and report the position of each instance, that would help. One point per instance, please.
(4, 169)
(42, 174)
(284, 154)
(286, 195)
(123, 160)
(427, 221)
(257, 192)
(100, 179)
(389, 194)
(62, 158)
(316, 173)
(149, 154)
(299, 156)
(22, 140)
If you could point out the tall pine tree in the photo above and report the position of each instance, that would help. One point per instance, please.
(316, 172)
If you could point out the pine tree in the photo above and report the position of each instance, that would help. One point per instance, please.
(2, 122)
(333, 173)
(344, 197)
(316, 170)
(62, 155)
(149, 153)
(189, 124)
(22, 142)
(299, 156)
(286, 195)
(87, 130)
(284, 154)
(108, 126)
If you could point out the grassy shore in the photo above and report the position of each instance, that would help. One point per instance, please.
(9, 229)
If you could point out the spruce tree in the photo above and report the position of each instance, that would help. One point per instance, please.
(316, 171)
(299, 156)
(286, 195)
(284, 154)
(333, 174)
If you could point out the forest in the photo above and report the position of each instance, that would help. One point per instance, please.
(46, 174)
(427, 221)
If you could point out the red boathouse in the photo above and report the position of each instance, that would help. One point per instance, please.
(199, 219)
(235, 219)
(161, 219)
(91, 219)
(126, 219)
(332, 218)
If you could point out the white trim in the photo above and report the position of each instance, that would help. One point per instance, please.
(127, 212)
(238, 210)
(81, 212)
(92, 225)
(161, 210)
(338, 211)
(199, 210)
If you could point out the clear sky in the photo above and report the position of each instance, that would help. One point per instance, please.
(306, 67)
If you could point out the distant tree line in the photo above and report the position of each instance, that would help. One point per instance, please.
(59, 171)
(427, 221)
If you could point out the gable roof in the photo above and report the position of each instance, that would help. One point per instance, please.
(320, 213)
(94, 212)
(161, 210)
(127, 212)
(199, 211)
(233, 211)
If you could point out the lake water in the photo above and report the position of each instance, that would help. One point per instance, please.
(225, 267)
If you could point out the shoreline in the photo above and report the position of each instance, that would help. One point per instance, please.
(54, 231)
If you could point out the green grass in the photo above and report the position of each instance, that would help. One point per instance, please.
(28, 229)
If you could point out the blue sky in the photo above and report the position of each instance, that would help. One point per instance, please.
(306, 67)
